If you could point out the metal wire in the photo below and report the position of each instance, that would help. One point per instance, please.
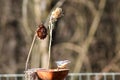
(11, 76)
(81, 76)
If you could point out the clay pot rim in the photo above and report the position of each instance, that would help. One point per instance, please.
(52, 70)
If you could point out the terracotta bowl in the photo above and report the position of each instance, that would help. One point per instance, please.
(52, 74)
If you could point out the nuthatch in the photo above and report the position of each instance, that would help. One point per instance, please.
(62, 64)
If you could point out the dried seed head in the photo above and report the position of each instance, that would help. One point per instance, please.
(56, 13)
(42, 31)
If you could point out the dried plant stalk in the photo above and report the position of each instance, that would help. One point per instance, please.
(53, 18)
(28, 57)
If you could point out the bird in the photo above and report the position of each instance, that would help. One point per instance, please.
(62, 64)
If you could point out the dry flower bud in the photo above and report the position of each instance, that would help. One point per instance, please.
(42, 32)
(56, 13)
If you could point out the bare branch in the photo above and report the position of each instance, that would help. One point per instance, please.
(90, 6)
(70, 46)
(110, 65)
(90, 37)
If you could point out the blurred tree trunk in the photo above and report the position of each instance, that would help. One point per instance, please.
(38, 10)
(10, 37)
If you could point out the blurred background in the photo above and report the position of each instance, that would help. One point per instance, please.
(88, 35)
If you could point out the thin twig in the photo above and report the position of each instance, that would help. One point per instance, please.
(28, 57)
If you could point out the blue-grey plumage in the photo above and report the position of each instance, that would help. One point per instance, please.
(62, 64)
